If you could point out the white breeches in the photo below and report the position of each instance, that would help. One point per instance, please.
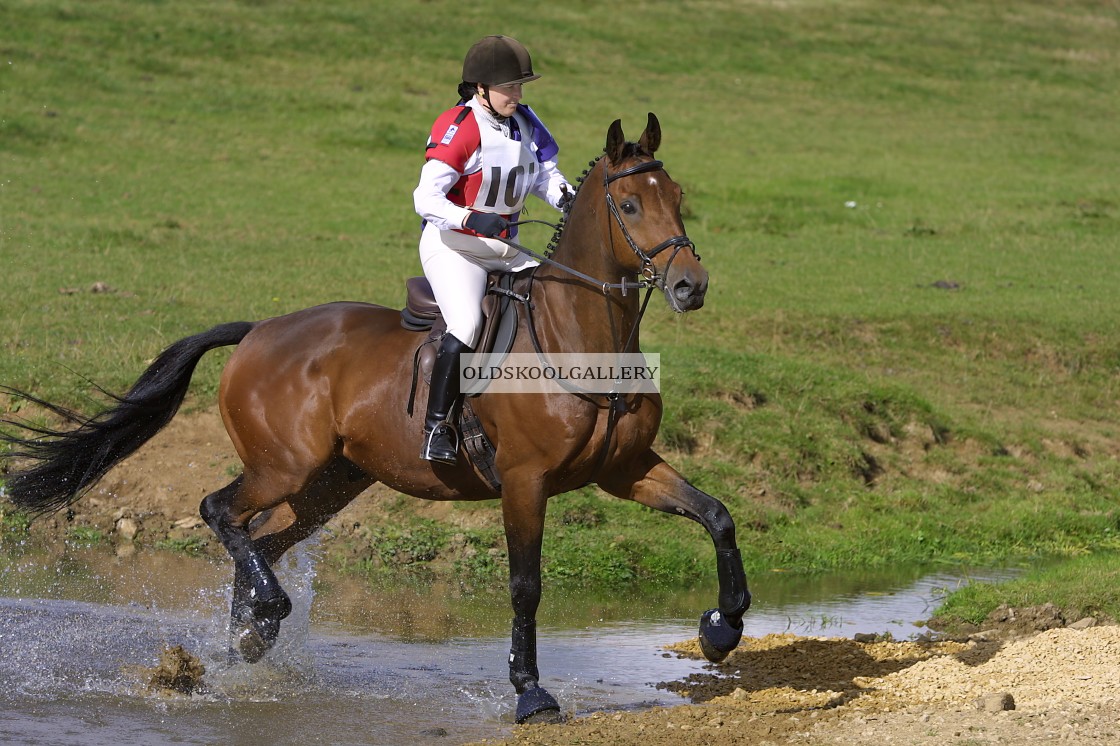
(456, 265)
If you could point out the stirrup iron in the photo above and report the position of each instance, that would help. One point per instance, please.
(448, 456)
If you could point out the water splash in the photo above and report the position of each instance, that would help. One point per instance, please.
(75, 625)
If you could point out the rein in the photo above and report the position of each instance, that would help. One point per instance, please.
(606, 287)
(652, 278)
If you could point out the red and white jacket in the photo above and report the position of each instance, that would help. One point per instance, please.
(475, 162)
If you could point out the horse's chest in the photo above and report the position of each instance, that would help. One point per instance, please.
(633, 432)
(622, 433)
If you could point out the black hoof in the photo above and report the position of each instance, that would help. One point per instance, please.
(260, 626)
(253, 642)
(537, 706)
(717, 637)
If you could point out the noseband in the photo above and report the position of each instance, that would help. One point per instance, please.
(677, 242)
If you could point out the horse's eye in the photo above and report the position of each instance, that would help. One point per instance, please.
(628, 207)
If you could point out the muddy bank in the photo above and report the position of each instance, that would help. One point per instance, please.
(1056, 686)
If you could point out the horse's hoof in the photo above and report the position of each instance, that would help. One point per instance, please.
(537, 706)
(251, 645)
(256, 638)
(717, 637)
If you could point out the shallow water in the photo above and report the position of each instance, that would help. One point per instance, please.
(416, 664)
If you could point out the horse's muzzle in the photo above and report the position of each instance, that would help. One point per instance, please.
(686, 290)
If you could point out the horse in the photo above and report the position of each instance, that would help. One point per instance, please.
(312, 403)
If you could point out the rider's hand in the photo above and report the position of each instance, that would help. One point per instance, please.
(566, 198)
(486, 224)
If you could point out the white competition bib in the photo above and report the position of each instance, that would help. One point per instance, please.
(509, 168)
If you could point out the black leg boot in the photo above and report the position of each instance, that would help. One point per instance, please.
(441, 442)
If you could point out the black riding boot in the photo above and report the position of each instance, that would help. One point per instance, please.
(441, 442)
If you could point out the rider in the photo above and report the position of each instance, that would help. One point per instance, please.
(484, 157)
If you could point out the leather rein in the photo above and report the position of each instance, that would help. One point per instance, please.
(651, 278)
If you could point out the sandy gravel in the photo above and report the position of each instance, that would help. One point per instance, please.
(1058, 686)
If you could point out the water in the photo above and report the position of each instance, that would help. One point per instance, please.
(403, 665)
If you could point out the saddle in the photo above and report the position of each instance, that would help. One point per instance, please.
(499, 320)
(499, 327)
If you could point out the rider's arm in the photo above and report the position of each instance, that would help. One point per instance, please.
(430, 196)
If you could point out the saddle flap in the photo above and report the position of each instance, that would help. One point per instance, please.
(492, 306)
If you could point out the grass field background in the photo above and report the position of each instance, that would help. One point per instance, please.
(909, 211)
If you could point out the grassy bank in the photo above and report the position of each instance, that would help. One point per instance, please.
(910, 350)
(1081, 587)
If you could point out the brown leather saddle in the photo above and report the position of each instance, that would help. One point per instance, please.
(499, 317)
(499, 327)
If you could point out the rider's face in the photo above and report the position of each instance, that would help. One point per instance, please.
(504, 98)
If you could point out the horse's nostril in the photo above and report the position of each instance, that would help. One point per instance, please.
(684, 290)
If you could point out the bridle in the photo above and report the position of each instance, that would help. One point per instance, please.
(616, 403)
(651, 278)
(649, 272)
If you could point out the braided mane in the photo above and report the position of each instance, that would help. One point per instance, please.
(555, 240)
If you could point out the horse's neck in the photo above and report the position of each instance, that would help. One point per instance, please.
(576, 315)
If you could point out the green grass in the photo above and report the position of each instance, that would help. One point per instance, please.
(187, 545)
(909, 352)
(1085, 586)
(85, 535)
(13, 523)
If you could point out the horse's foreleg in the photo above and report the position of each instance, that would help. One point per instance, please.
(524, 525)
(259, 603)
(653, 483)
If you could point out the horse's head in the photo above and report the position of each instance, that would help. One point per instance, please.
(647, 232)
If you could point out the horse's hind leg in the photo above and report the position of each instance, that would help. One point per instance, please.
(273, 532)
(281, 528)
(259, 601)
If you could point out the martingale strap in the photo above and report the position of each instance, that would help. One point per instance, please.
(476, 443)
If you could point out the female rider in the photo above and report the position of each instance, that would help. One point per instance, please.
(484, 157)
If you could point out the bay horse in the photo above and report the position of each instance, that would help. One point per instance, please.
(313, 402)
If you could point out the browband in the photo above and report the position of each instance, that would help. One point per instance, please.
(647, 166)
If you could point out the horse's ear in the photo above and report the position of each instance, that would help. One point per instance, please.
(651, 138)
(616, 141)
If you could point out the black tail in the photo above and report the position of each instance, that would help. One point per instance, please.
(64, 463)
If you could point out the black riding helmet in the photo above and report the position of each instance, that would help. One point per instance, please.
(498, 60)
